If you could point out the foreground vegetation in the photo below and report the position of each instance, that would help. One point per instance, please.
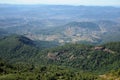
(49, 72)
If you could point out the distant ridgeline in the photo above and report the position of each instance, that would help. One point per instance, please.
(57, 42)
(61, 24)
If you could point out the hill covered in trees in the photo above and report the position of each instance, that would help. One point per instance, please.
(15, 48)
(49, 72)
(69, 62)
(59, 42)
(103, 58)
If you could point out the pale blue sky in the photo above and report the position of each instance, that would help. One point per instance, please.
(68, 2)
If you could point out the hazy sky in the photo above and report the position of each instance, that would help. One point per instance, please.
(68, 2)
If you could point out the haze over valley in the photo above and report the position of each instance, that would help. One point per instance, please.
(62, 23)
(59, 42)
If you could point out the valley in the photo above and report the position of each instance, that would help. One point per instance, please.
(61, 23)
(59, 42)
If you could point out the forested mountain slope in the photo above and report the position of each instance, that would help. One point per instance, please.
(85, 57)
(90, 61)
(15, 48)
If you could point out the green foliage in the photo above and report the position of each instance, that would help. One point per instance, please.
(83, 57)
(115, 46)
(67, 62)
(46, 44)
(49, 72)
(16, 48)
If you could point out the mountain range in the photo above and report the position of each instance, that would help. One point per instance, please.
(62, 24)
(58, 42)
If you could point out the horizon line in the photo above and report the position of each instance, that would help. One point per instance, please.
(59, 4)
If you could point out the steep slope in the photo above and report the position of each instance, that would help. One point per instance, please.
(79, 56)
(15, 48)
(84, 58)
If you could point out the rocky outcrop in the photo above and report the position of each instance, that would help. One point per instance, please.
(52, 56)
(99, 48)
(103, 49)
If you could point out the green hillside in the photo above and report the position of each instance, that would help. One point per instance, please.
(50, 72)
(59, 42)
(84, 57)
(67, 62)
(22, 71)
(16, 48)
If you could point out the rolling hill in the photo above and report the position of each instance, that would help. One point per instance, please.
(53, 22)
(15, 48)
(59, 42)
(103, 58)
(91, 61)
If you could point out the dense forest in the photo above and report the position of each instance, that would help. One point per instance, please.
(59, 42)
(22, 59)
